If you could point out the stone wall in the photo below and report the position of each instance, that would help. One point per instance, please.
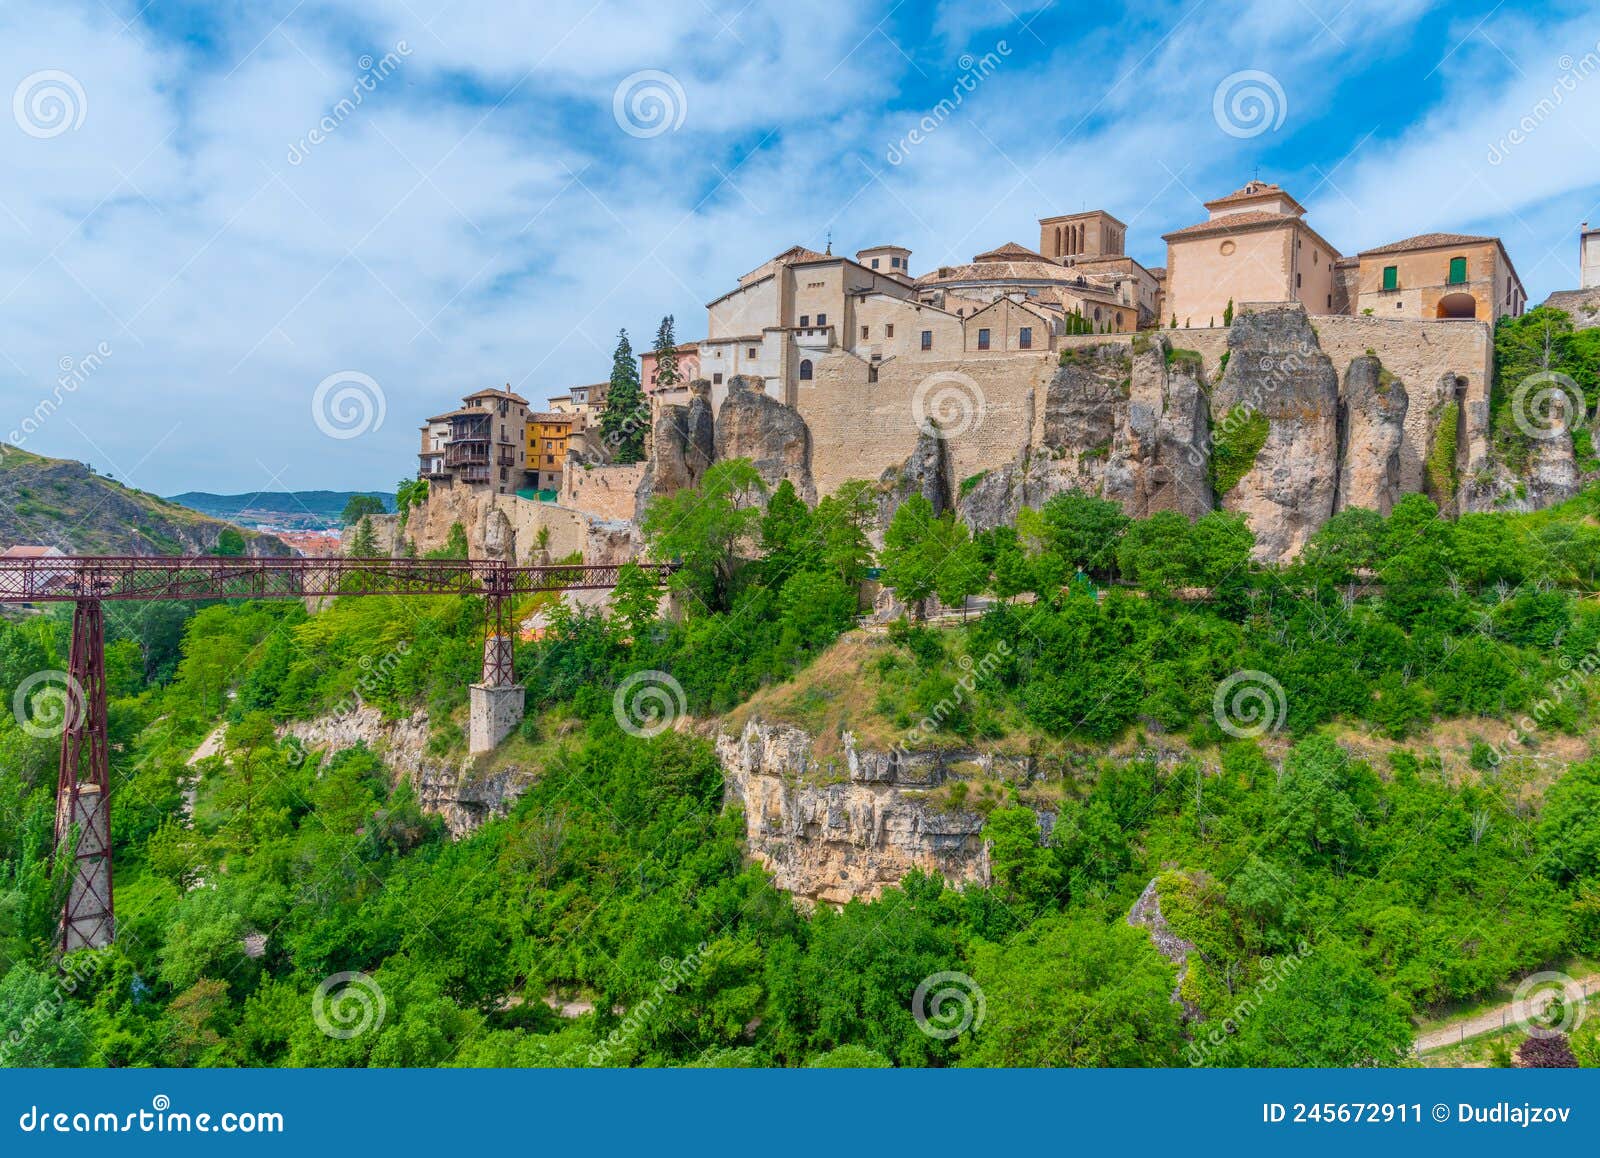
(604, 492)
(429, 524)
(859, 429)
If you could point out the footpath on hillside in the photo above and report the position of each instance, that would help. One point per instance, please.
(1496, 1018)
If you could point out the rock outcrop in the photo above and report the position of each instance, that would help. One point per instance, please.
(464, 798)
(925, 472)
(499, 537)
(1159, 458)
(1372, 425)
(1277, 370)
(833, 829)
(683, 444)
(771, 435)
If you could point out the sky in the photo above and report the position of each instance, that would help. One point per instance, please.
(249, 246)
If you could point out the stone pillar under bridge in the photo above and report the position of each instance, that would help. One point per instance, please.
(497, 703)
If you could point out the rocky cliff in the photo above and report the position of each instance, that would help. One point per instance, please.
(451, 789)
(771, 435)
(1372, 425)
(833, 828)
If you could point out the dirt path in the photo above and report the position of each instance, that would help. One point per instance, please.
(1500, 1016)
(210, 746)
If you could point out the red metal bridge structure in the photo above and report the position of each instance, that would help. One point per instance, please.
(83, 790)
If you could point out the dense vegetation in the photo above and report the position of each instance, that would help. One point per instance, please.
(1337, 873)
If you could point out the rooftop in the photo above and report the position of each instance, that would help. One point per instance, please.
(1430, 241)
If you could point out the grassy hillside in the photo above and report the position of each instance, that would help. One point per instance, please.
(60, 503)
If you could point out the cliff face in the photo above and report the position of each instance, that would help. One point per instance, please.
(833, 829)
(1276, 369)
(447, 788)
(771, 435)
(1372, 425)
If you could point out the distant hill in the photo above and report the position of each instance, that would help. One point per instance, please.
(63, 504)
(290, 510)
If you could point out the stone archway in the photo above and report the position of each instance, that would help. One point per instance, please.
(1457, 306)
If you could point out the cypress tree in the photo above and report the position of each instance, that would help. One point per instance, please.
(623, 421)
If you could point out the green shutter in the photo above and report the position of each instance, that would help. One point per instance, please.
(1391, 277)
(1458, 270)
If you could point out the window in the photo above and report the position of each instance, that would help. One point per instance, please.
(888, 331)
(805, 369)
(1391, 277)
(1025, 338)
(716, 379)
(894, 262)
(805, 319)
(751, 352)
(1119, 319)
(983, 339)
(864, 333)
(822, 319)
(927, 339)
(1330, 301)
(1296, 281)
(1458, 270)
(872, 374)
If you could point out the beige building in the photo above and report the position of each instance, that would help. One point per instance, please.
(1446, 276)
(1588, 257)
(1255, 246)
(487, 445)
(435, 434)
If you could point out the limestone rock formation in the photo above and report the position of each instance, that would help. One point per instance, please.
(683, 444)
(833, 830)
(1277, 369)
(499, 537)
(1159, 458)
(1146, 914)
(1372, 424)
(773, 436)
(925, 472)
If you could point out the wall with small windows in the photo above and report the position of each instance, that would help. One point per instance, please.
(1472, 281)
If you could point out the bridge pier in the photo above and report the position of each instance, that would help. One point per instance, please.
(83, 788)
(495, 704)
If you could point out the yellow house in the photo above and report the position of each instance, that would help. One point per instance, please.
(548, 435)
(1440, 275)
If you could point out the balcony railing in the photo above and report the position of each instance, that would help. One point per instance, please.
(473, 474)
(466, 454)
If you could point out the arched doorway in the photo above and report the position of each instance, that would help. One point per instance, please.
(1458, 306)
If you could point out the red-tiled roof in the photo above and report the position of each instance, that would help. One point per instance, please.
(1234, 222)
(29, 551)
(1010, 251)
(1430, 241)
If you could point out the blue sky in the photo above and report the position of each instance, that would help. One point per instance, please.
(176, 246)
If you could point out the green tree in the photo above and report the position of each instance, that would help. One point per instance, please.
(408, 493)
(1074, 991)
(910, 554)
(788, 538)
(1158, 552)
(623, 422)
(704, 528)
(40, 1023)
(667, 373)
(635, 599)
(364, 543)
(1025, 871)
(359, 507)
(1084, 531)
(843, 520)
(230, 543)
(1325, 1010)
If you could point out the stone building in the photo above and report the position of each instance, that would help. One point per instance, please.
(1255, 246)
(1447, 276)
(1588, 257)
(486, 443)
(688, 366)
(549, 433)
